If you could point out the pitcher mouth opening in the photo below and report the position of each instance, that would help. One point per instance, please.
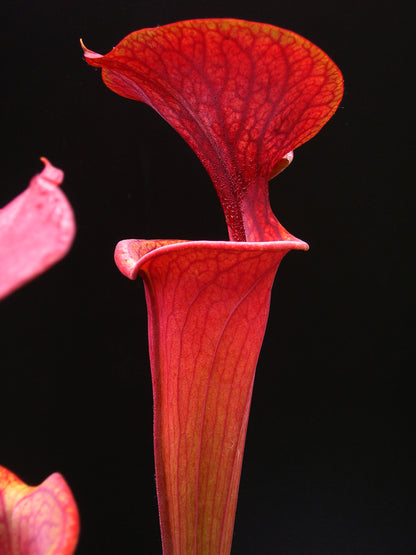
(131, 254)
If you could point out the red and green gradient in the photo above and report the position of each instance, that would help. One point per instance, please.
(244, 96)
(208, 304)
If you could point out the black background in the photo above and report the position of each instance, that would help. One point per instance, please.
(327, 464)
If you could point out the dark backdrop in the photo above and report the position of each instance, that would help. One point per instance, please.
(327, 464)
